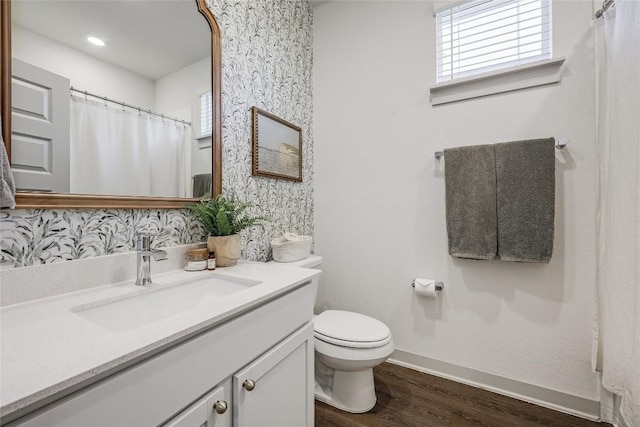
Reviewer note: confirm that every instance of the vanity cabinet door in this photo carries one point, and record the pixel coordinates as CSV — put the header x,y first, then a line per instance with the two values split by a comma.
x,y
213,410
277,388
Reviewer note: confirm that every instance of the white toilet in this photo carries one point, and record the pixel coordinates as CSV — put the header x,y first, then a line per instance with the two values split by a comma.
x,y
347,345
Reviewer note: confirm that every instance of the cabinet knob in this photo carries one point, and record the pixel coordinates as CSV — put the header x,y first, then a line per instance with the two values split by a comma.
x,y
249,385
220,406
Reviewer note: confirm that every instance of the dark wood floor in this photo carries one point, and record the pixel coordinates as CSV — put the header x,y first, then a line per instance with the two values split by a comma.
x,y
407,398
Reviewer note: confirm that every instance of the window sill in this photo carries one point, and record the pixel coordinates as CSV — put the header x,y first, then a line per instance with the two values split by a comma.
x,y
524,76
204,141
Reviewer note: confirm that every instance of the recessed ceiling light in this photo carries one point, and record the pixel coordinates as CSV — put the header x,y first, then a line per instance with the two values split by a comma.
x,y
95,41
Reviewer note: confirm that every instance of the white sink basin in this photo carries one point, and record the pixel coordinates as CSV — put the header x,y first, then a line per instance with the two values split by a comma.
x,y
150,305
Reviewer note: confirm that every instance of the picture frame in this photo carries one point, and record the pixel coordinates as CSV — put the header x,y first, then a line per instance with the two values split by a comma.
x,y
276,147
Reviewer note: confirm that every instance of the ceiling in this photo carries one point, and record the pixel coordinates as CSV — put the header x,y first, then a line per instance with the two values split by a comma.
x,y
152,38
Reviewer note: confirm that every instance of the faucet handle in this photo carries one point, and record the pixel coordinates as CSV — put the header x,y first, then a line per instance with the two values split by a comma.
x,y
143,241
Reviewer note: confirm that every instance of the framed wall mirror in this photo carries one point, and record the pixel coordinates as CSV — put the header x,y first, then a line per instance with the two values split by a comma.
x,y
132,122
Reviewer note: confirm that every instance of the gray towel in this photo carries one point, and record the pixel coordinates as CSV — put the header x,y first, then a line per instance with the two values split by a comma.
x,y
201,184
525,172
470,181
7,186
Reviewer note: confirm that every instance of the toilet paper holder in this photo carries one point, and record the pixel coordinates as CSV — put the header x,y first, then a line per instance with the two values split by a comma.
x,y
439,285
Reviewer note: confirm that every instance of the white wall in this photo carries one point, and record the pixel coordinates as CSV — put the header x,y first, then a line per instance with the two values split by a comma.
x,y
85,71
178,94
182,88
379,196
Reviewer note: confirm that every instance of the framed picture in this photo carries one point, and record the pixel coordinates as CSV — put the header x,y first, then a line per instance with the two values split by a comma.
x,y
277,147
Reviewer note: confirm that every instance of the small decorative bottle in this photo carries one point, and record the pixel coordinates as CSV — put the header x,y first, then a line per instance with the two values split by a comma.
x,y
211,262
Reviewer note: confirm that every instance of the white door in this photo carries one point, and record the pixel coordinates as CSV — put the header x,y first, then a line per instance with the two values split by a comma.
x,y
213,410
277,388
40,129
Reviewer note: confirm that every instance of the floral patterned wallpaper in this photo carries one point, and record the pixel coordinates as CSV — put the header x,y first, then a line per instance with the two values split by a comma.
x,y
266,62
44,235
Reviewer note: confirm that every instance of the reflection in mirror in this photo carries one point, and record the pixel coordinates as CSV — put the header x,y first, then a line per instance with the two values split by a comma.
x,y
129,117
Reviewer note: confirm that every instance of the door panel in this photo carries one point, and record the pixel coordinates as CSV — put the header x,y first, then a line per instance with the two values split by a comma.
x,y
31,99
40,129
31,153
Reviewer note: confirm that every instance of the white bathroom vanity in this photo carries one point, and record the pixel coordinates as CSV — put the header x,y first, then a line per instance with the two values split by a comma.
x,y
232,347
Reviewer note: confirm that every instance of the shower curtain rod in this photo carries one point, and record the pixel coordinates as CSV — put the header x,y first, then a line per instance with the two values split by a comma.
x,y
124,104
560,143
606,4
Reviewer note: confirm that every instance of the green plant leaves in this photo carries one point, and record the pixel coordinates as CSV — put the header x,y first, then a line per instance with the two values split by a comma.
x,y
222,216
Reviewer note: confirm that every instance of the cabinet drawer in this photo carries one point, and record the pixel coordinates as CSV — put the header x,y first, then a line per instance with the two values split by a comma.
x,y
154,390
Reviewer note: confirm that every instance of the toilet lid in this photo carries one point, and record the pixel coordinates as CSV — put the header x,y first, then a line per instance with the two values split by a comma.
x,y
350,329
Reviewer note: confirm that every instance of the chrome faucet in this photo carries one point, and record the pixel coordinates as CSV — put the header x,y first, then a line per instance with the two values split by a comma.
x,y
144,252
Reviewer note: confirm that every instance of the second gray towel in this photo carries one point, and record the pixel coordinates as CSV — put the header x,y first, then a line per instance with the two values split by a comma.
x,y
201,184
470,181
525,172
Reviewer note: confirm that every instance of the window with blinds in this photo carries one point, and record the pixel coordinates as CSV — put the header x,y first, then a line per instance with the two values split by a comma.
x,y
478,36
206,113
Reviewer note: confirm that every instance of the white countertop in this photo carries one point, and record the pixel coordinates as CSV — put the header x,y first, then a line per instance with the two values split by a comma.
x,y
48,351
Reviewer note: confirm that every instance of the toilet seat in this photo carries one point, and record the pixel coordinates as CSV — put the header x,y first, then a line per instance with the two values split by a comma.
x,y
353,344
352,330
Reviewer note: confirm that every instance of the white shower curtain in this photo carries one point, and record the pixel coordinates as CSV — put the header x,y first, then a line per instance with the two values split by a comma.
x,y
122,152
618,218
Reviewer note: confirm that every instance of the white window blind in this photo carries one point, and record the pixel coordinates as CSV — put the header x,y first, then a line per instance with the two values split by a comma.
x,y
478,36
206,113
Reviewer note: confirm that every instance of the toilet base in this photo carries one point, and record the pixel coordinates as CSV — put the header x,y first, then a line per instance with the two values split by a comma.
x,y
350,391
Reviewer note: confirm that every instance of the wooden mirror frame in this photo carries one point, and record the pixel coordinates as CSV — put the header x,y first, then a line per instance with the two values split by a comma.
x,y
90,201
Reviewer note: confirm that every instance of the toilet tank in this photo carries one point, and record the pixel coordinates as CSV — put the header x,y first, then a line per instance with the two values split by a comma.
x,y
312,261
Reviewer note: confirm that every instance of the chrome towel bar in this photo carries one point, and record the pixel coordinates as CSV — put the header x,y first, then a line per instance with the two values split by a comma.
x,y
560,143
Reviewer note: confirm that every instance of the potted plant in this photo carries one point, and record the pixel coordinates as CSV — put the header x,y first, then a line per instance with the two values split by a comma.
x,y
223,218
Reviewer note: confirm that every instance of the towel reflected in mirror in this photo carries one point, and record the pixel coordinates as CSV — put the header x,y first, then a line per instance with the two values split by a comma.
x,y
201,184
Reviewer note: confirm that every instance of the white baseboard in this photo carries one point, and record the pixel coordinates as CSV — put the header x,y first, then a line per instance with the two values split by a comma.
x,y
559,401
617,419
607,404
